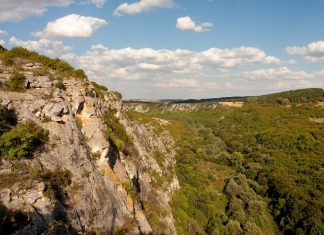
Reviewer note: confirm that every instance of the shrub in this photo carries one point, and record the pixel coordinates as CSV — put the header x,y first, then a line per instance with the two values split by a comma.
x,y
60,85
117,134
55,182
8,119
41,72
59,66
99,89
22,140
8,61
96,155
16,82
2,48
130,189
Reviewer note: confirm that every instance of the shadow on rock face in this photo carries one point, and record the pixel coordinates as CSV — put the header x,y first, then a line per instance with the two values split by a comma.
x,y
113,155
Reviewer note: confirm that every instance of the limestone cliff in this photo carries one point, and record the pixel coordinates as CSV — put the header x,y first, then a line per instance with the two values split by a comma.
x,y
112,189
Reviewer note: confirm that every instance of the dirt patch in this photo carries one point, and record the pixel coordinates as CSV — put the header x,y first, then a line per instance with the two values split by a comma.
x,y
232,104
320,104
317,120
162,122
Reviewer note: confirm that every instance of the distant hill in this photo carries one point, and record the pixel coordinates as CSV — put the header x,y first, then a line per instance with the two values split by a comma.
x,y
295,96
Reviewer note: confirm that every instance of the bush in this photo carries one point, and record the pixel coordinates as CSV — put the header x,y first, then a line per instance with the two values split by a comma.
x,y
2,48
16,82
130,189
117,134
8,119
8,61
22,140
55,182
60,85
59,66
99,89
41,72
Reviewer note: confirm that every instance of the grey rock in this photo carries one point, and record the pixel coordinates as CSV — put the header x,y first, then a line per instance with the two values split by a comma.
x,y
38,82
97,198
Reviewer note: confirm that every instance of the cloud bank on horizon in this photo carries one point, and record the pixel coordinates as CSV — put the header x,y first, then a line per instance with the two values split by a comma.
x,y
150,49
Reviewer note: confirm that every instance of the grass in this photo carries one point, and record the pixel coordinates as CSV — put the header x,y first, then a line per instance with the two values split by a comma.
x,y
60,67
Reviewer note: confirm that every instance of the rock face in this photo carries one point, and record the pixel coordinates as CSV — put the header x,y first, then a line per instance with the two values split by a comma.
x,y
99,198
185,107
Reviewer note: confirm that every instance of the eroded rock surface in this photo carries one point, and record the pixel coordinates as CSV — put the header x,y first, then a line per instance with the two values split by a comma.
x,y
98,198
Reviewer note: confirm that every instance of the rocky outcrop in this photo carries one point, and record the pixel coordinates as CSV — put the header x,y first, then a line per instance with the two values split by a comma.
x,y
182,107
100,196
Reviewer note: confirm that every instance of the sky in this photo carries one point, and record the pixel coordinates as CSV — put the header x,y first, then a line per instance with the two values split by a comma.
x,y
177,48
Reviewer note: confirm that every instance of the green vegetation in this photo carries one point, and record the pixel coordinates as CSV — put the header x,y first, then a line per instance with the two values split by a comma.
x,y
41,72
130,189
2,48
60,85
19,141
55,182
117,135
16,82
22,140
293,97
99,89
255,169
8,119
282,151
60,67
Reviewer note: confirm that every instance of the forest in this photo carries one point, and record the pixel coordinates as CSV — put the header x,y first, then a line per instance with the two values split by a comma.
x,y
253,170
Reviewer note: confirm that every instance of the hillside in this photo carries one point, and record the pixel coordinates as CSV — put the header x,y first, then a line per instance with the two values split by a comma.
x,y
71,160
255,169
76,159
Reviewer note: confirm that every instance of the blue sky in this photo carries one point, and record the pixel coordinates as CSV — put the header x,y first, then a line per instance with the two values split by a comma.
x,y
177,48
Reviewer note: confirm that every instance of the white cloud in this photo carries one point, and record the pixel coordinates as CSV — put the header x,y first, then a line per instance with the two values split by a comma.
x,y
2,42
128,62
16,10
3,33
178,83
181,73
71,26
49,47
313,52
187,24
142,6
131,70
98,3
277,74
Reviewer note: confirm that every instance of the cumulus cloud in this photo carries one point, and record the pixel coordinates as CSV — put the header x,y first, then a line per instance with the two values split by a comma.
x,y
2,42
313,52
16,10
49,47
131,70
181,73
178,83
129,63
187,24
71,26
277,74
142,6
